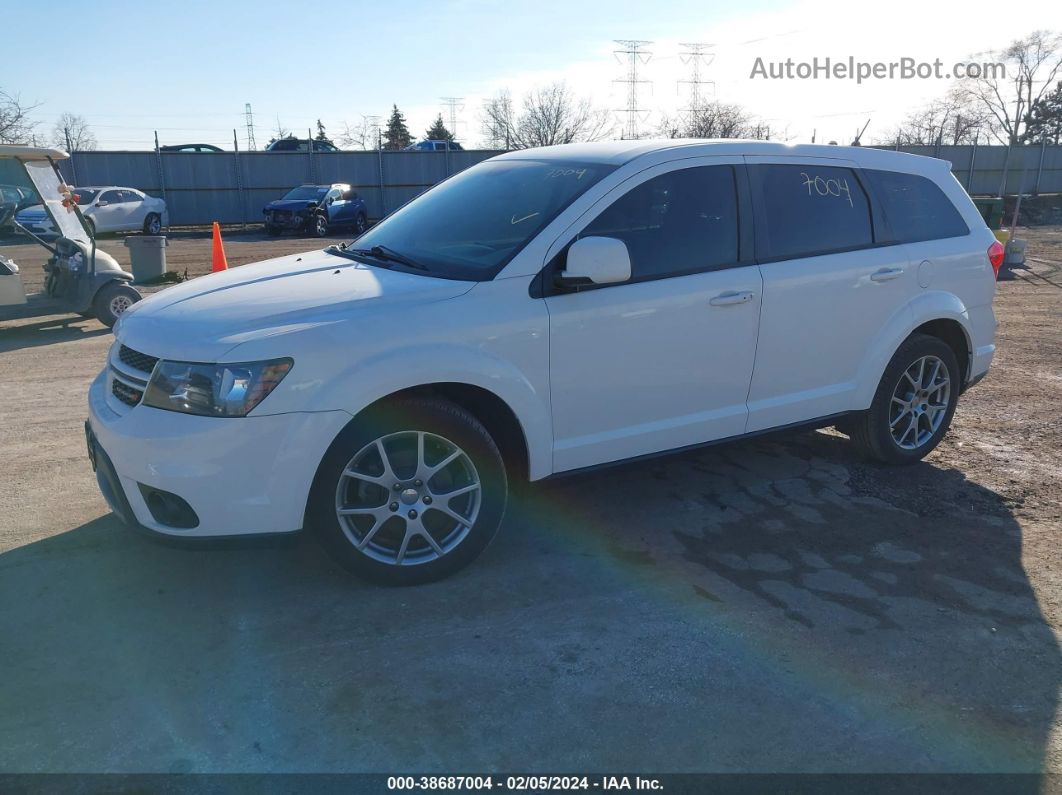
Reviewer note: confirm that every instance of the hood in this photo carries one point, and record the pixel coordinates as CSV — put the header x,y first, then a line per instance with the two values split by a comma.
x,y
203,319
290,204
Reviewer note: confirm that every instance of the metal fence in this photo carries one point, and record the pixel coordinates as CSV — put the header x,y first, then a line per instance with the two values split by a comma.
x,y
232,187
1000,170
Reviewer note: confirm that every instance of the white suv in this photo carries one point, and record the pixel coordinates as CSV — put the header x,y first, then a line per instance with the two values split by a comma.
x,y
542,312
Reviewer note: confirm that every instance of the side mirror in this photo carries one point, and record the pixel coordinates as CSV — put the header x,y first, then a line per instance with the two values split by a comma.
x,y
331,199
597,260
102,203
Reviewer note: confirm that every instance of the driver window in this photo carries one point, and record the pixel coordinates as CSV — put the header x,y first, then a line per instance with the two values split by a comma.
x,y
680,222
111,197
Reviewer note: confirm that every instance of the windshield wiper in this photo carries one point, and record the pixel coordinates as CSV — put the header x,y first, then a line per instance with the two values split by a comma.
x,y
389,254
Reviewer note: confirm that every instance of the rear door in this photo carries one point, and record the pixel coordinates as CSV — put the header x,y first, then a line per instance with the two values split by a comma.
x,y
664,360
831,284
136,209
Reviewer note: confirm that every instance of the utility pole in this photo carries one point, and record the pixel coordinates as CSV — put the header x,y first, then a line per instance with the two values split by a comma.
x,y
452,105
694,56
249,116
635,53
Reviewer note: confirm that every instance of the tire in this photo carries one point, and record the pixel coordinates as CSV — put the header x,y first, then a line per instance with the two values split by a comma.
x,y
361,223
319,226
273,231
153,224
111,300
901,425
399,510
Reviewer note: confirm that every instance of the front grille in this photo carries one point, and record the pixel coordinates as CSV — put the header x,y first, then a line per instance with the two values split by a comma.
x,y
130,396
281,215
137,360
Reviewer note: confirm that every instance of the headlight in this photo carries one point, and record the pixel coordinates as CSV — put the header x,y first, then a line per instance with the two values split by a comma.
x,y
214,390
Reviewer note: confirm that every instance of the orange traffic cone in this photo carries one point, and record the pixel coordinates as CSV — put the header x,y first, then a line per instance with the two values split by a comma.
x,y
219,263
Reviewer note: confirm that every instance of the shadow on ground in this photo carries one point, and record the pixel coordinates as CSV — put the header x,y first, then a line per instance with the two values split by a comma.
x,y
772,606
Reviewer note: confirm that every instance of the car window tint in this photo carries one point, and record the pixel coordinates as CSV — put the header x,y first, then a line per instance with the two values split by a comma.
x,y
111,196
812,209
679,222
916,207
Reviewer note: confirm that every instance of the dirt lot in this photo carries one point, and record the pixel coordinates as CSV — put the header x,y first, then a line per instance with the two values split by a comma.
x,y
770,606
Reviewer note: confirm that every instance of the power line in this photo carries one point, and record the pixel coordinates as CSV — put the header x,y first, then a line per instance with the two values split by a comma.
x,y
249,116
635,53
694,56
452,104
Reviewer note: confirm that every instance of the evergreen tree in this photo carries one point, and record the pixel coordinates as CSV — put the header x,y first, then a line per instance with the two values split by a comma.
x,y
1044,120
438,131
396,136
321,134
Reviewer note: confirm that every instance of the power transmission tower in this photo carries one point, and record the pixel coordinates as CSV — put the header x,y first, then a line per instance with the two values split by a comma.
x,y
452,105
371,126
695,57
636,54
251,145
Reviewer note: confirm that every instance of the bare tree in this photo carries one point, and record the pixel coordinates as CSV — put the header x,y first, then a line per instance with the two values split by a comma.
x,y
548,115
15,125
1032,66
363,134
72,131
714,120
956,118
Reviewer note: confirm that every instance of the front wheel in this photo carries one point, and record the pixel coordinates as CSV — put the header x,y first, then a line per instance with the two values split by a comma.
x,y
320,226
409,493
153,224
112,300
913,405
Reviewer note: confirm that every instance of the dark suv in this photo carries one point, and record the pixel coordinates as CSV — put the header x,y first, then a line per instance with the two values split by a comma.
x,y
301,145
315,209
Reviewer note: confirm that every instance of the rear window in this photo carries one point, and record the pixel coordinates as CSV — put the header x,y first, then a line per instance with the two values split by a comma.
x,y
812,210
916,207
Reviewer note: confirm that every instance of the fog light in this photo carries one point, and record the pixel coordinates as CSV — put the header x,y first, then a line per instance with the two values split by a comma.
x,y
169,509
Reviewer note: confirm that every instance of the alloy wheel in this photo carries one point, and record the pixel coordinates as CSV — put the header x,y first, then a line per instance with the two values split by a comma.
x,y
408,498
119,304
919,402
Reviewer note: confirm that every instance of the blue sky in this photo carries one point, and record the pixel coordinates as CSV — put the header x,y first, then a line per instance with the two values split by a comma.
x,y
187,69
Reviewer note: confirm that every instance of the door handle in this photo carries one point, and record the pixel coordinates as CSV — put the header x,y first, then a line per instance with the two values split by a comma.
x,y
885,274
726,299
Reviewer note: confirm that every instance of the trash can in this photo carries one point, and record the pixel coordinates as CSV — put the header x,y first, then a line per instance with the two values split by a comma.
x,y
148,256
991,209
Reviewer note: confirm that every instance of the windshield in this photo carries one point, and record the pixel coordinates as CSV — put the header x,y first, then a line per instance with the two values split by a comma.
x,y
306,193
85,195
42,175
471,225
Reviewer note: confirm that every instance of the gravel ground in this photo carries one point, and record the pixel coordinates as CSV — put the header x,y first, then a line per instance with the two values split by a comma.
x,y
776,605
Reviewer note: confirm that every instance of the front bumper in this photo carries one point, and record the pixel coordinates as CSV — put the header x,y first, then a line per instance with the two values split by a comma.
x,y
286,219
245,476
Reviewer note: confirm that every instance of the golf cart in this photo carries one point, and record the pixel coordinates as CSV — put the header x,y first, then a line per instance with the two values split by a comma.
x,y
89,281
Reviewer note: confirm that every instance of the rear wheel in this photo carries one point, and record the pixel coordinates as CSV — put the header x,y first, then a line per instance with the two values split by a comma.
x,y
913,405
409,493
360,224
153,224
112,300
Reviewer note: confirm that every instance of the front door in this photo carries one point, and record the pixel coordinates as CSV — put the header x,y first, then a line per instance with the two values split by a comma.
x,y
664,360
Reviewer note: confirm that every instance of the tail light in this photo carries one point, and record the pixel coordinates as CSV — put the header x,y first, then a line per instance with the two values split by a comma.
x,y
995,256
